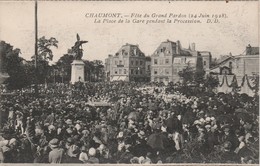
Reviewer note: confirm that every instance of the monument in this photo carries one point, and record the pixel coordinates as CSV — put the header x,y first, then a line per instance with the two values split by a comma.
x,y
77,66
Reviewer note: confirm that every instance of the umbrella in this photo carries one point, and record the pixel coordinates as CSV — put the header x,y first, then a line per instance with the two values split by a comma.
x,y
157,141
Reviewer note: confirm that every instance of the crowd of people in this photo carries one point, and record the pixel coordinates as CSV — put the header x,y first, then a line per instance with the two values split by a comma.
x,y
138,124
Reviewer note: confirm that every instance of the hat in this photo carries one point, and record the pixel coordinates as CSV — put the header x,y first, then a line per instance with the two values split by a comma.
x,y
226,129
85,132
227,145
120,134
141,134
54,143
68,121
51,127
208,119
207,126
196,122
92,152
69,140
12,141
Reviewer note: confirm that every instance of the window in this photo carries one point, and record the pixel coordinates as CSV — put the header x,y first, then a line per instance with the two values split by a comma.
x,y
115,71
116,62
166,61
126,53
136,71
155,71
175,71
167,71
177,60
120,62
155,61
167,79
161,61
120,71
230,64
132,62
141,71
141,62
148,67
204,63
124,71
132,71
136,63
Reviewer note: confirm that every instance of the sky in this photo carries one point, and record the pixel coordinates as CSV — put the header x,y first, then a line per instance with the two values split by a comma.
x,y
64,19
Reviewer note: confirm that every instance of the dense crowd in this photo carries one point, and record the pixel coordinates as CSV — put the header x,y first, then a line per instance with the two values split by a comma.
x,y
138,123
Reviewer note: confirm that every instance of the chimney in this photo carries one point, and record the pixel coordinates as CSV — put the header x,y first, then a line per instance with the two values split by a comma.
x,y
177,47
192,46
248,50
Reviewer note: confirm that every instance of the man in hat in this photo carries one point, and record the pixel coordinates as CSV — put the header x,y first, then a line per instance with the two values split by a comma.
x,y
229,136
229,155
92,156
57,154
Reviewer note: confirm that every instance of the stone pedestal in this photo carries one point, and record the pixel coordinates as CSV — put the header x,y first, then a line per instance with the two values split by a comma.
x,y
77,71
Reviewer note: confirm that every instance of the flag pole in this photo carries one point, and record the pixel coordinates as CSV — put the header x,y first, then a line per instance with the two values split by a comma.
x,y
36,47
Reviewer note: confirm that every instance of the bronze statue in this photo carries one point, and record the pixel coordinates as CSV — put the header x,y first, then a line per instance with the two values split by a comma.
x,y
77,48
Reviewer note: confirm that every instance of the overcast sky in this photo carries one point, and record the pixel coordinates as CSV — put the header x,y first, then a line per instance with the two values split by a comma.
x,y
63,20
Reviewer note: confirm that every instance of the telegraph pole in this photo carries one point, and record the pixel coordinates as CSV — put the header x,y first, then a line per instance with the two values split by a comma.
x,y
36,48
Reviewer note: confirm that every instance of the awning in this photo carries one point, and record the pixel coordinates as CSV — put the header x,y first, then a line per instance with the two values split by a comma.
x,y
119,78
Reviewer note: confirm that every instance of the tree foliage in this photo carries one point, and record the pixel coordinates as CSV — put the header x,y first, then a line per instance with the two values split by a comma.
x,y
13,65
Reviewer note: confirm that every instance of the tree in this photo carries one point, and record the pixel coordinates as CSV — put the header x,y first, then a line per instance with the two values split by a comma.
x,y
45,55
187,75
13,65
64,66
98,69
211,82
199,74
44,48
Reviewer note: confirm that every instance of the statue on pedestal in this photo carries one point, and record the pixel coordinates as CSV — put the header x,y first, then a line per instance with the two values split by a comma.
x,y
77,66
77,50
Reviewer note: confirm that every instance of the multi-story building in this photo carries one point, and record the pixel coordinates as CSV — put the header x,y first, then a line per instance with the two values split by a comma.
x,y
170,58
128,64
239,65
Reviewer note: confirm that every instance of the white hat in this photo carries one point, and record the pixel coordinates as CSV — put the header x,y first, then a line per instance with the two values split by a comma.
x,y
13,140
212,118
196,122
51,127
208,119
120,134
202,120
92,152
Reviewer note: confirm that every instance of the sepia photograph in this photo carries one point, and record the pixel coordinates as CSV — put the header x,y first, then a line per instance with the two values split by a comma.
x,y
129,82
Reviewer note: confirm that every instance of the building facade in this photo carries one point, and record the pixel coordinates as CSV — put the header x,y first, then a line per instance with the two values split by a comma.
x,y
128,64
239,65
239,72
170,58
